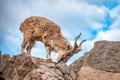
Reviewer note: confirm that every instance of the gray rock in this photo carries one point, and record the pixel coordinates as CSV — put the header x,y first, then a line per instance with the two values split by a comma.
x,y
73,74
63,68
33,75
67,77
50,65
4,62
45,77
52,78
23,68
44,68
59,72
105,55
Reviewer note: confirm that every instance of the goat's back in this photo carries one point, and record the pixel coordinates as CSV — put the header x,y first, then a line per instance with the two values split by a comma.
x,y
41,23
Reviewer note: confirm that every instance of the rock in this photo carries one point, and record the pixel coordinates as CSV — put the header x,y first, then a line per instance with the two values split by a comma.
x,y
2,78
63,68
33,75
101,63
44,68
50,65
105,56
66,77
76,65
88,73
73,74
59,72
4,61
20,67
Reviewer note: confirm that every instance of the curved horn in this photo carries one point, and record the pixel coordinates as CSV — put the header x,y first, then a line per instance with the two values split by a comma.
x,y
77,47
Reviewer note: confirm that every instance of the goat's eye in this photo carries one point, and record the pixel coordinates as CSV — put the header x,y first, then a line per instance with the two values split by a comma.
x,y
68,47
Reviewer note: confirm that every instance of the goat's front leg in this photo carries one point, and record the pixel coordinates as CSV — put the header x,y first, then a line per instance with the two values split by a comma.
x,y
29,46
59,58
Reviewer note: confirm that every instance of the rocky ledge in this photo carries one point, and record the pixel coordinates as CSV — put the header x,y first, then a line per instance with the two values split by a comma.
x,y
102,62
21,68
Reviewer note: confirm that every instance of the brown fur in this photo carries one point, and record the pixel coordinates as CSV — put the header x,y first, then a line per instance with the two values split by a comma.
x,y
42,29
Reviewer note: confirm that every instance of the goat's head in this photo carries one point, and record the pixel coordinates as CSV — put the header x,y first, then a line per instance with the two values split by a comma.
x,y
71,51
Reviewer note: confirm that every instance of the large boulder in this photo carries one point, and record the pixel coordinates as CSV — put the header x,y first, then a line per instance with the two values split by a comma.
x,y
102,62
88,73
105,55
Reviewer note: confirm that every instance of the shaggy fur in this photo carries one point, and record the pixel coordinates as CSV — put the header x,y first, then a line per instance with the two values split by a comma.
x,y
42,29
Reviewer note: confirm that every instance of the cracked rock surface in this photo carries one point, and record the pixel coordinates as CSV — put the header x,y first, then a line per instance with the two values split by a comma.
x,y
102,62
23,68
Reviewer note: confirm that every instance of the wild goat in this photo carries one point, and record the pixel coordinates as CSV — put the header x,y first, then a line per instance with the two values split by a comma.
x,y
42,29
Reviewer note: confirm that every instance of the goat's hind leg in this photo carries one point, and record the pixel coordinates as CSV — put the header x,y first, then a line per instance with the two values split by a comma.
x,y
29,46
48,54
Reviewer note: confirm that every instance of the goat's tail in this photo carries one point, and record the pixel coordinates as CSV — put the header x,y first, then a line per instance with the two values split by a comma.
x,y
21,27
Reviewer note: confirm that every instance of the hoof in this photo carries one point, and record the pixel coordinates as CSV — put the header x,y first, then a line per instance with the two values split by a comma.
x,y
49,60
33,60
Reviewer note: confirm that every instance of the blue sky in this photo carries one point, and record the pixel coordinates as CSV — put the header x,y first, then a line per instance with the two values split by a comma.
x,y
96,19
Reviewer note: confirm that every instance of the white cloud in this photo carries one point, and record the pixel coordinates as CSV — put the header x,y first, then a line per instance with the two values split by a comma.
x,y
62,9
115,12
88,15
39,50
113,32
115,15
112,35
108,3
116,24
17,9
88,45
97,26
